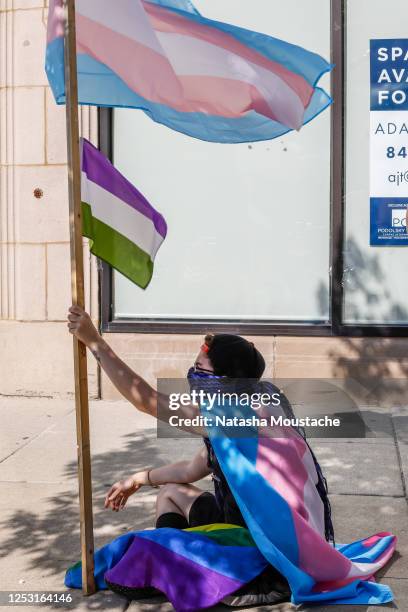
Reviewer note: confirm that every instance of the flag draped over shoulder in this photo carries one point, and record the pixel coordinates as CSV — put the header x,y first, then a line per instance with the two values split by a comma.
x,y
273,479
124,229
207,79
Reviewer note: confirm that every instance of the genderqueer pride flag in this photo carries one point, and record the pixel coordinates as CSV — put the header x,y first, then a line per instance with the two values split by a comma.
x,y
123,228
207,79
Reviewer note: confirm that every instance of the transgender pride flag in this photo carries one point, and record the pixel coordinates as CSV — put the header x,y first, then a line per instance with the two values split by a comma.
x,y
123,228
273,478
207,79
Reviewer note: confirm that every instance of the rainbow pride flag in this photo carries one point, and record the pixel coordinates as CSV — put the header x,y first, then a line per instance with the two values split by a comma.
x,y
123,228
196,568
207,79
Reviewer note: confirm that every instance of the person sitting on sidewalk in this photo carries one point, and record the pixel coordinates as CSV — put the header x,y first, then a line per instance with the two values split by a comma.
x,y
180,504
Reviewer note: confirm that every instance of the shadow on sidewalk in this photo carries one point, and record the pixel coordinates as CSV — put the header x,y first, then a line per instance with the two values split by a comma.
x,y
50,540
379,364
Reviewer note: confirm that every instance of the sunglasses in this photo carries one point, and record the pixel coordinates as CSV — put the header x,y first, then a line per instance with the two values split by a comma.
x,y
197,369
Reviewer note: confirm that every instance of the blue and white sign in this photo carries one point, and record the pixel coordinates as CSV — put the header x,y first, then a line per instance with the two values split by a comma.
x,y
388,222
389,142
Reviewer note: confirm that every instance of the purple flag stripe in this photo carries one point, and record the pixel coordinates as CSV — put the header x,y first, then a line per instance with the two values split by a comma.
x,y
99,170
188,585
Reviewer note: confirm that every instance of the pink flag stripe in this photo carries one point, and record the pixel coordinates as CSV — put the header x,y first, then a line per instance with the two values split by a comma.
x,y
281,452
326,562
368,542
187,93
133,62
55,24
278,452
163,20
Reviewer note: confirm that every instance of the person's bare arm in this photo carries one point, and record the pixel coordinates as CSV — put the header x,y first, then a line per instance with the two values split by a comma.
x,y
182,472
129,384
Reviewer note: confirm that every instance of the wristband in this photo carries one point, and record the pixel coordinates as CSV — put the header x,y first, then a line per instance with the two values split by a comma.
x,y
150,482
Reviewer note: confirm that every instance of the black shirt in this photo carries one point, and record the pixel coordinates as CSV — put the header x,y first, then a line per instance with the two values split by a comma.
x,y
223,495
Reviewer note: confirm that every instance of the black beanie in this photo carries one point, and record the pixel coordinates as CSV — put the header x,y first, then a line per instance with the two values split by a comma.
x,y
234,357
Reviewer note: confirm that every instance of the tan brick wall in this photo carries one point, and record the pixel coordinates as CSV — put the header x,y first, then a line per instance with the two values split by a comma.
x,y
35,347
375,363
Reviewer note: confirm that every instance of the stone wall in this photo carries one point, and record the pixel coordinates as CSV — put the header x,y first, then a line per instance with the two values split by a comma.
x,y
35,347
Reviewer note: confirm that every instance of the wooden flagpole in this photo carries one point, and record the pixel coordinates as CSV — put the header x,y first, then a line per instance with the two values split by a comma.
x,y
78,298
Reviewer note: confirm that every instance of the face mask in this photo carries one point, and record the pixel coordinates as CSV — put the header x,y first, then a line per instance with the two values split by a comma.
x,y
200,380
194,373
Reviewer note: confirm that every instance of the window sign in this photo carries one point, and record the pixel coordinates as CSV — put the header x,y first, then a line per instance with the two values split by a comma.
x,y
389,142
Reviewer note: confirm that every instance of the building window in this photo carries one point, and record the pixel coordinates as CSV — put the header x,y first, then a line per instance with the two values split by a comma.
x,y
273,237
375,277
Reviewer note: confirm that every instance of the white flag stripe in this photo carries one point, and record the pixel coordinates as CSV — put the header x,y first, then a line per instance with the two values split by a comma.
x,y
120,216
364,569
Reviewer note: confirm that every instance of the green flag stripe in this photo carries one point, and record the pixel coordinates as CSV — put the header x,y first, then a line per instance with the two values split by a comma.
x,y
228,537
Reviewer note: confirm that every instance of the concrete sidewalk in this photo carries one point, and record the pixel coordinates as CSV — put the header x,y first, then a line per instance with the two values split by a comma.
x,y
39,509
